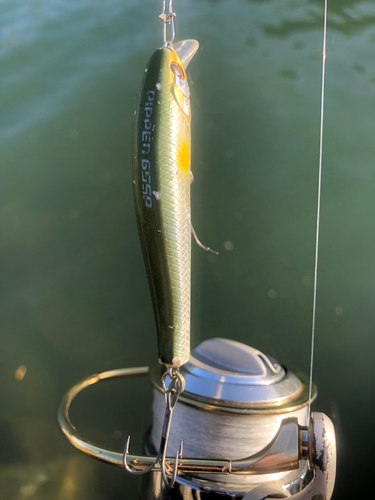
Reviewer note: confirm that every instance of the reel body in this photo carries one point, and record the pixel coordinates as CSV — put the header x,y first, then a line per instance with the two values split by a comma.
x,y
237,403
234,403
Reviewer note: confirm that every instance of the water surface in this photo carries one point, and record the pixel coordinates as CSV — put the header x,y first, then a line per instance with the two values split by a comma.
x,y
74,297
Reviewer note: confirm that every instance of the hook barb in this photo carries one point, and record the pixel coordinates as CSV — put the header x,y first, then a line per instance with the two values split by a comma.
x,y
130,469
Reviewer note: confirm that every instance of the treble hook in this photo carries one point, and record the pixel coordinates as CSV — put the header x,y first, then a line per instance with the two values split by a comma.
x,y
172,393
168,19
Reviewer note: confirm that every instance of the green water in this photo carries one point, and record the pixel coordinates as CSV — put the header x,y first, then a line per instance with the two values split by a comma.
x,y
74,297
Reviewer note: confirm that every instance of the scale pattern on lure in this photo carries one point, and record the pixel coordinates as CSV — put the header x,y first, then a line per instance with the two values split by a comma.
x,y
161,181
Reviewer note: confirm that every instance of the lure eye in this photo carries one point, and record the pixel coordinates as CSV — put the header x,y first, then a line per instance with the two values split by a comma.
x,y
177,71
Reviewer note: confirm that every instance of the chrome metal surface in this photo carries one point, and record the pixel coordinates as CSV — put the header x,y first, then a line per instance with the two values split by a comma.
x,y
68,428
273,458
189,487
281,455
224,375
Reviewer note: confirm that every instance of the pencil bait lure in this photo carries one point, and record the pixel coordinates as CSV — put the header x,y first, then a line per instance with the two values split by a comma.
x,y
161,182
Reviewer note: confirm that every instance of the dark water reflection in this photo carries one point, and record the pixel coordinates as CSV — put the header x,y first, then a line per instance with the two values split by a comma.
x,y
74,298
349,18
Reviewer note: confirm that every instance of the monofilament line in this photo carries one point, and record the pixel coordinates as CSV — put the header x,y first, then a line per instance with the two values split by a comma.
x,y
319,198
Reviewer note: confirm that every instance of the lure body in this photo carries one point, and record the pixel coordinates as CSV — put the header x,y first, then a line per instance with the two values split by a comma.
x,y
161,182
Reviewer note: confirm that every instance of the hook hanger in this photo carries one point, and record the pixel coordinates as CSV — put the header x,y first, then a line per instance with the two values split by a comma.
x,y
172,393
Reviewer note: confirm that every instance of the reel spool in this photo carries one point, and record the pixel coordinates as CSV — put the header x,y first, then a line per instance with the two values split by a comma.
x,y
237,403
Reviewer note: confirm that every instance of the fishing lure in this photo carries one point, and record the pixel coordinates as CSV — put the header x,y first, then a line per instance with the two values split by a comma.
x,y
161,182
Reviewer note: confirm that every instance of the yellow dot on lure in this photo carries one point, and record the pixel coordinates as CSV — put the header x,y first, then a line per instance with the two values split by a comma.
x,y
183,157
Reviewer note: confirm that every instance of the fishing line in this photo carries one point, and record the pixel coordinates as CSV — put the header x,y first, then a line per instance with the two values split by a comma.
x,y
222,436
319,198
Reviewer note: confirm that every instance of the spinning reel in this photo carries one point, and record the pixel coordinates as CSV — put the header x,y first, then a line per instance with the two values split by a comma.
x,y
236,400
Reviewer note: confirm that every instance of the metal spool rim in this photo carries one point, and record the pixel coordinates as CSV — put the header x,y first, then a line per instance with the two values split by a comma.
x,y
298,401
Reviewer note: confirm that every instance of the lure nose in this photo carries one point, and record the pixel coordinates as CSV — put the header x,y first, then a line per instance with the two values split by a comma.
x,y
186,50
